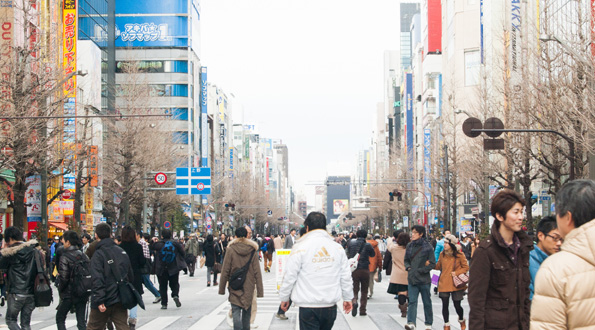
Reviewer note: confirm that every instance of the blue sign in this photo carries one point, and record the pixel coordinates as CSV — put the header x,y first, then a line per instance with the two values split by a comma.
x,y
167,224
409,120
193,181
204,125
545,198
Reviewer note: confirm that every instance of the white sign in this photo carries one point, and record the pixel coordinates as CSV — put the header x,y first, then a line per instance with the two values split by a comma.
x,y
160,178
405,221
33,198
280,262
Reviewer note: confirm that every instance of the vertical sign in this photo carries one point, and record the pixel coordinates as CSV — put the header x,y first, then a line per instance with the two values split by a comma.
x,y
33,197
204,125
409,114
481,31
515,41
69,46
6,44
231,161
281,262
427,165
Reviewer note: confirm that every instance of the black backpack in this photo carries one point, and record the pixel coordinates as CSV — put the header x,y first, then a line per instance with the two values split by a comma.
x,y
237,278
81,276
42,291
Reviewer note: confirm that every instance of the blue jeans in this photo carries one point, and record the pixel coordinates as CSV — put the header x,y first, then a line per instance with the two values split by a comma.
x,y
241,317
414,291
149,285
19,304
133,312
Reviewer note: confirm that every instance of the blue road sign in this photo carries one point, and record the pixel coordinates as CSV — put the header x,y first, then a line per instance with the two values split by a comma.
x,y
545,198
193,181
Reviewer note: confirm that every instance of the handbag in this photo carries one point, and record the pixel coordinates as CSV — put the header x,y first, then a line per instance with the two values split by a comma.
x,y
378,276
128,295
387,263
355,259
217,267
460,280
202,262
42,291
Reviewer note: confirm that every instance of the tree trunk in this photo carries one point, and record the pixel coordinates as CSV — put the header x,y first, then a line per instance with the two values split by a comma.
x,y
19,189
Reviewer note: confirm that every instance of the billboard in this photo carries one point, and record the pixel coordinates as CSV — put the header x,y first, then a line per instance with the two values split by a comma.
x,y
409,120
340,206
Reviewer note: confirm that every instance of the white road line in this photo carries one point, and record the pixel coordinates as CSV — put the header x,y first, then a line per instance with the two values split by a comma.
x,y
358,322
208,322
69,323
159,323
32,323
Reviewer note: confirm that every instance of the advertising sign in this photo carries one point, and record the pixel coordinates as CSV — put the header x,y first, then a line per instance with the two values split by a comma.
x,y
280,262
427,165
204,125
151,31
340,206
409,121
33,198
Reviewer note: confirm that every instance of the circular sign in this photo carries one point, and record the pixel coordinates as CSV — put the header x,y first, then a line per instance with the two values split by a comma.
x,y
200,186
209,226
167,224
494,123
67,194
160,178
472,123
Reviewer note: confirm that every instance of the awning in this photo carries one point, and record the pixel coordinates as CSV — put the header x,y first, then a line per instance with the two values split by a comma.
x,y
8,175
59,225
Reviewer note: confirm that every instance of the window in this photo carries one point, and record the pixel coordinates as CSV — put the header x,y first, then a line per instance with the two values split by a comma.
x,y
159,66
472,63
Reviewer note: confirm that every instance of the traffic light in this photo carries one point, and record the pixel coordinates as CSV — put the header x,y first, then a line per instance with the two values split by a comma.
x,y
233,206
399,196
395,193
226,206
391,196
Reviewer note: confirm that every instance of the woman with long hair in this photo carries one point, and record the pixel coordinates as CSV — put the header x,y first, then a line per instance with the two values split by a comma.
x,y
398,277
474,245
211,256
451,263
137,261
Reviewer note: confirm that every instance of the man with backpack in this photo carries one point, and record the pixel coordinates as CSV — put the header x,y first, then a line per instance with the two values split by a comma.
x,y
169,260
268,248
74,282
360,276
105,298
241,270
18,262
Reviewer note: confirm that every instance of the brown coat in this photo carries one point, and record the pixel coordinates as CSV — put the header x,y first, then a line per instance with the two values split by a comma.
x,y
499,289
238,252
398,274
376,260
446,264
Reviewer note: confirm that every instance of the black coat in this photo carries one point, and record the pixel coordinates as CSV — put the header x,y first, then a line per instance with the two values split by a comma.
x,y
161,268
65,269
364,257
105,289
211,254
137,261
18,260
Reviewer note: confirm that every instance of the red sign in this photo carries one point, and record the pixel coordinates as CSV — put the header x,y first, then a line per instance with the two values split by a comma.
x,y
167,224
67,194
160,178
200,186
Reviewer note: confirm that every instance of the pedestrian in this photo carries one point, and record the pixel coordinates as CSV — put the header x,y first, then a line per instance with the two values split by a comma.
x,y
398,277
451,263
278,242
564,285
192,251
169,261
548,243
143,240
466,246
18,263
105,300
317,283
240,252
221,247
381,244
66,282
499,278
360,276
440,245
86,238
375,266
211,256
419,261
289,240
137,261
268,248
475,244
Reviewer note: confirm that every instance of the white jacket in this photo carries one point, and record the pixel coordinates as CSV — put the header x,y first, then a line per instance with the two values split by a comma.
x,y
317,274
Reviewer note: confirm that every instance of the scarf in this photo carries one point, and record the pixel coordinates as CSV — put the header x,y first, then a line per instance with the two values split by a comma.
x,y
417,244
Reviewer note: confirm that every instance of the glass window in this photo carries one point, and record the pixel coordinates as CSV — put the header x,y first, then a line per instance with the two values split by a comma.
x,y
158,66
472,63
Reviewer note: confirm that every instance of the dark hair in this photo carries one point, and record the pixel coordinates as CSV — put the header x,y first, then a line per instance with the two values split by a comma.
x,y
241,232
128,234
403,239
302,231
13,232
361,233
119,238
419,229
315,220
72,237
87,236
546,225
147,237
396,233
578,198
166,234
453,248
503,202
103,230
209,238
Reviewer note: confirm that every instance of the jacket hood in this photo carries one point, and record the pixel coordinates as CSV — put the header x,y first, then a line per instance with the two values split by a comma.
x,y
243,246
372,242
581,242
10,251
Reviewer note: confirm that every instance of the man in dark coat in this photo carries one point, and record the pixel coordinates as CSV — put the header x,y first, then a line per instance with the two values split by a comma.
x,y
361,276
18,262
105,301
169,260
499,277
65,282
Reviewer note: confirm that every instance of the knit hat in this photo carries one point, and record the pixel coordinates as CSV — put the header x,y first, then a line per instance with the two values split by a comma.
x,y
451,238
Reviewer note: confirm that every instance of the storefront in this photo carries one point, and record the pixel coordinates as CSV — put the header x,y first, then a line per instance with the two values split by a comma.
x,y
56,228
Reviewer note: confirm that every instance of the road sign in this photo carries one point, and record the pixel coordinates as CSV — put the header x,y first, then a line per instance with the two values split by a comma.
x,y
269,213
189,181
67,194
545,198
160,178
167,225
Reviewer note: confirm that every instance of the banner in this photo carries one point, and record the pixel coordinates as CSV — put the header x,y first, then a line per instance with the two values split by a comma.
x,y
280,262
33,198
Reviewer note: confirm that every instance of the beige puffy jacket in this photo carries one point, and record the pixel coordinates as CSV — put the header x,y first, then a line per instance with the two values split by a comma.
x,y
565,285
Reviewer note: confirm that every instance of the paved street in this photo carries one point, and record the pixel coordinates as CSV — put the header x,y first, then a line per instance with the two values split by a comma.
x,y
202,308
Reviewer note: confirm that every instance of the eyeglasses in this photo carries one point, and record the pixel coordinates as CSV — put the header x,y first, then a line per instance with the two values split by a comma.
x,y
556,238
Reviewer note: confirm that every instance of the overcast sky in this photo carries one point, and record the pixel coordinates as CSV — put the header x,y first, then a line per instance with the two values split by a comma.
x,y
308,72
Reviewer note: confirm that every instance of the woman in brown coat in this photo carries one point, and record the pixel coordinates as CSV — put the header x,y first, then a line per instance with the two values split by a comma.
x,y
451,263
398,276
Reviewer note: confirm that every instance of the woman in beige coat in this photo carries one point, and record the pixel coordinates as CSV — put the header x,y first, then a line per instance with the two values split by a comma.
x,y
398,277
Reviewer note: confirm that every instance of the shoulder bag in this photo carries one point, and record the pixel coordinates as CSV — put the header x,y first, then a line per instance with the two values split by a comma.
x,y
237,278
128,295
459,280
42,291
355,260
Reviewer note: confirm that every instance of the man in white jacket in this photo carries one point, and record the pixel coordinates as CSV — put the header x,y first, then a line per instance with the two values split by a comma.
x,y
312,270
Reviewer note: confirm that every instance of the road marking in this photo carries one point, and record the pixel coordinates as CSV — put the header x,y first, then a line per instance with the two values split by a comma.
x,y
159,323
69,323
32,323
358,322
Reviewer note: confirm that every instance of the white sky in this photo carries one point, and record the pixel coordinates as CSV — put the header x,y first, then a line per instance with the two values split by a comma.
x,y
308,72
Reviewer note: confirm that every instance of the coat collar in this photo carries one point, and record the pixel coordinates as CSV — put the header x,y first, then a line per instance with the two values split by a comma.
x,y
243,240
12,250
